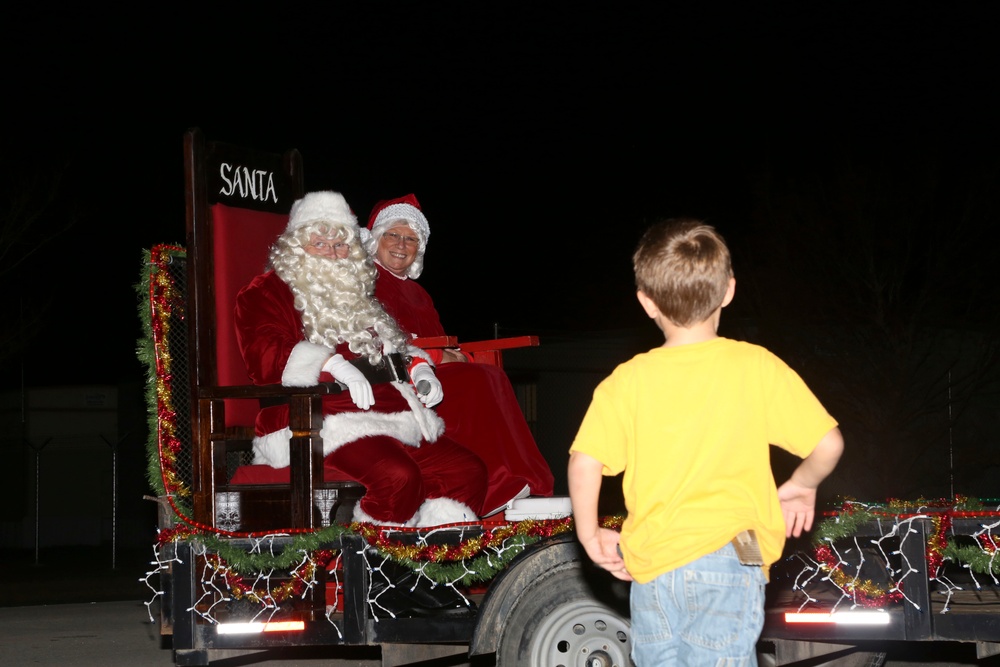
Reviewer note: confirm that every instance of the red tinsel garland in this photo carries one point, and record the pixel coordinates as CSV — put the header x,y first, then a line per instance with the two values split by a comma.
x,y
942,513
864,593
242,588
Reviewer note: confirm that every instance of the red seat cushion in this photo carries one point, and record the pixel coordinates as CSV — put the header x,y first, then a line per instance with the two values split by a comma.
x,y
265,474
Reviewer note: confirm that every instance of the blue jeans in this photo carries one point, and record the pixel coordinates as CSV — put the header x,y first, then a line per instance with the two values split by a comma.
x,y
709,612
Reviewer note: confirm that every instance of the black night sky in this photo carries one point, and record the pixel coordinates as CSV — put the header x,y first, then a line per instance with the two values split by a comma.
x,y
540,138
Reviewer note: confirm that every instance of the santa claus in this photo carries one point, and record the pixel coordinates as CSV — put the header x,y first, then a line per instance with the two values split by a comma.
x,y
302,322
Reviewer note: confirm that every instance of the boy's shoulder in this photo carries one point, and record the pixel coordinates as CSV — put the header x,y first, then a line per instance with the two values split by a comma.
x,y
738,351
720,345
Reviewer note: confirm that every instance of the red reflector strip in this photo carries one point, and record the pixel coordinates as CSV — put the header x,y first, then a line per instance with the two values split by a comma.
x,y
251,628
840,617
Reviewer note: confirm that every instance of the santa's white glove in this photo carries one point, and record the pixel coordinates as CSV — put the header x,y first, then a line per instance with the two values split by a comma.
x,y
359,386
428,387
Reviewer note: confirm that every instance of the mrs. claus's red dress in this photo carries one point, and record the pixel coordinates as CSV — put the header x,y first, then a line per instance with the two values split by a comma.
x,y
479,409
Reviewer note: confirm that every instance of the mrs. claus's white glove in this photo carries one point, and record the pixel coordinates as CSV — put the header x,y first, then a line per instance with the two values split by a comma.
x,y
429,389
359,386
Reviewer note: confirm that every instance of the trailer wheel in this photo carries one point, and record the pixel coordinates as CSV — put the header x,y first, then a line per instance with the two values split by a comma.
x,y
564,621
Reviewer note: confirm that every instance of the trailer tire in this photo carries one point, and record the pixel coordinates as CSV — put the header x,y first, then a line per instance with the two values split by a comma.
x,y
563,621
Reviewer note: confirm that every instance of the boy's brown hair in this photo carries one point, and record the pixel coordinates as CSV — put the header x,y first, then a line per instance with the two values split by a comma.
x,y
684,266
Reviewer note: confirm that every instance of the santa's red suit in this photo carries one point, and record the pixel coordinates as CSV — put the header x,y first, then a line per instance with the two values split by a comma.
x,y
397,449
479,408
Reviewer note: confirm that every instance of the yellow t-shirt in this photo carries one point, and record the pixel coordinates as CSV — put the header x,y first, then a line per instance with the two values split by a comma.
x,y
691,426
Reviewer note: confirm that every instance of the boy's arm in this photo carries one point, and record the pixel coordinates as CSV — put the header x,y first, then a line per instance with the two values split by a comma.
x,y
601,544
798,494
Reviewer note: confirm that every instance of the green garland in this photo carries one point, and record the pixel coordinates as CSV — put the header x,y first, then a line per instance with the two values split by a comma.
x,y
480,568
843,525
977,560
853,515
146,352
242,562
156,290
475,570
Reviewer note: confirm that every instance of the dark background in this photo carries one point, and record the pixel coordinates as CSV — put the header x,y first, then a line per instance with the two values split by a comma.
x,y
848,151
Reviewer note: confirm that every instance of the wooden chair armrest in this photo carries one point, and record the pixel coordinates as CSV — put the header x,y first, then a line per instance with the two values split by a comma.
x,y
267,391
481,351
392,370
433,342
500,344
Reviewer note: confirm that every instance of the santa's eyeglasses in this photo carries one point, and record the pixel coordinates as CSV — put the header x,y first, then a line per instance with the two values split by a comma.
x,y
393,237
329,246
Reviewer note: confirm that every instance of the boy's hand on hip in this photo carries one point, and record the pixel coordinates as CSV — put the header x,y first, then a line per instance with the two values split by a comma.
x,y
798,505
603,550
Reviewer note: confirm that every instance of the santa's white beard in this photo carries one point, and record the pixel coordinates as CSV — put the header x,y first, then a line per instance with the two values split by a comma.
x,y
335,297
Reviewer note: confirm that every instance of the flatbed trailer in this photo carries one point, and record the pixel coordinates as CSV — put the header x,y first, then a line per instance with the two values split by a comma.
x,y
241,569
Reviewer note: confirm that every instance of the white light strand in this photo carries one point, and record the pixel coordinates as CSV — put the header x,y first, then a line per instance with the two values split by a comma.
x,y
904,530
334,571
950,587
993,539
161,566
909,569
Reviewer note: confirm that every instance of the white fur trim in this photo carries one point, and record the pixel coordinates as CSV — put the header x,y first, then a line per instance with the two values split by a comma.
x,y
439,511
421,423
363,517
418,353
322,206
272,449
344,427
305,364
430,424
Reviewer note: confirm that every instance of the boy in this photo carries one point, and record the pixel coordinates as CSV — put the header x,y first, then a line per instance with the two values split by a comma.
x,y
691,423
